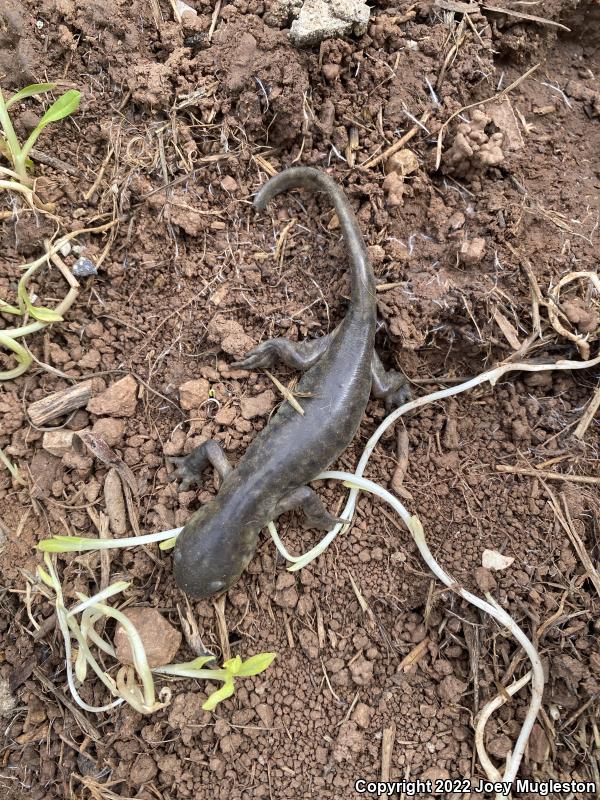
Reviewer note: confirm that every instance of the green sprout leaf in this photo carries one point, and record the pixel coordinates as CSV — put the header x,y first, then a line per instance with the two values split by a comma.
x,y
44,314
74,544
66,544
14,471
6,308
45,577
168,544
236,668
41,313
223,693
199,662
21,355
255,664
30,91
67,104
232,668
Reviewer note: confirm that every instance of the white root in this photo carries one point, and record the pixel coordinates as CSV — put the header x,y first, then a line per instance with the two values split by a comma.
x,y
68,626
486,712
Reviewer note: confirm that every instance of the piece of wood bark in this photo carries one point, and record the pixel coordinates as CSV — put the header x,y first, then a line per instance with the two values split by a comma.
x,y
59,403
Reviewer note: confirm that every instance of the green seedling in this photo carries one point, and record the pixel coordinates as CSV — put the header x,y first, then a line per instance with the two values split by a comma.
x,y
11,148
232,668
41,315
77,544
133,685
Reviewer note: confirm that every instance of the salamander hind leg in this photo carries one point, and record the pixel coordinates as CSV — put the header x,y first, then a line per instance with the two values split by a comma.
x,y
388,385
189,468
316,515
298,355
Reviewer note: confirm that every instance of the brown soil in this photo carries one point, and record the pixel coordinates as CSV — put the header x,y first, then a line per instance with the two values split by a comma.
x,y
189,279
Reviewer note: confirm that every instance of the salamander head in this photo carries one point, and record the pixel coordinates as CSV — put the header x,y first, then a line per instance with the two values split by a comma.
x,y
211,552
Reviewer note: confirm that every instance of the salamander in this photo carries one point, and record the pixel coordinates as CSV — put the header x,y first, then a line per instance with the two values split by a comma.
x,y
340,371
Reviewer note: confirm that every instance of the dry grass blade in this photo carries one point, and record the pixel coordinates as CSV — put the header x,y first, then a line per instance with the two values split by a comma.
x,y
266,165
402,454
588,415
536,299
99,791
387,748
214,20
80,718
101,523
359,596
564,517
176,13
460,37
191,632
550,476
282,241
414,655
508,329
219,606
529,17
288,395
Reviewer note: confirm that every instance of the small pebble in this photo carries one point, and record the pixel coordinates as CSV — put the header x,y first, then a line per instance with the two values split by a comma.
x,y
83,268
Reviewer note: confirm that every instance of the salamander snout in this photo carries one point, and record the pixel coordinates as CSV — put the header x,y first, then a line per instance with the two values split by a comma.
x,y
209,557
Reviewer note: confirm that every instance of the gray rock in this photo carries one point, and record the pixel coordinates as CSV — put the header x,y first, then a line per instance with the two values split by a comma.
x,y
83,268
325,19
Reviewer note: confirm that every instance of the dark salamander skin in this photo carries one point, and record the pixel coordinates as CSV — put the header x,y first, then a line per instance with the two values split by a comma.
x,y
340,370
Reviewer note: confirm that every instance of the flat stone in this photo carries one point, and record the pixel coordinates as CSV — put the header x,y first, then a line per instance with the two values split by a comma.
x,y
142,770
451,689
57,443
160,639
119,400
472,251
193,393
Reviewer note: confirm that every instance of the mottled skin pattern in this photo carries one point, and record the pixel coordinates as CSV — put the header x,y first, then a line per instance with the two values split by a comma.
x,y
219,540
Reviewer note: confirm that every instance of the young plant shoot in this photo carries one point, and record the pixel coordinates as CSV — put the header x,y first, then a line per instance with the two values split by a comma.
x,y
133,685
10,147
232,668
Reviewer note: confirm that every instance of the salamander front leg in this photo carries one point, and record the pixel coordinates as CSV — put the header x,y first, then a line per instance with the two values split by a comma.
x,y
388,385
189,468
298,355
316,515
